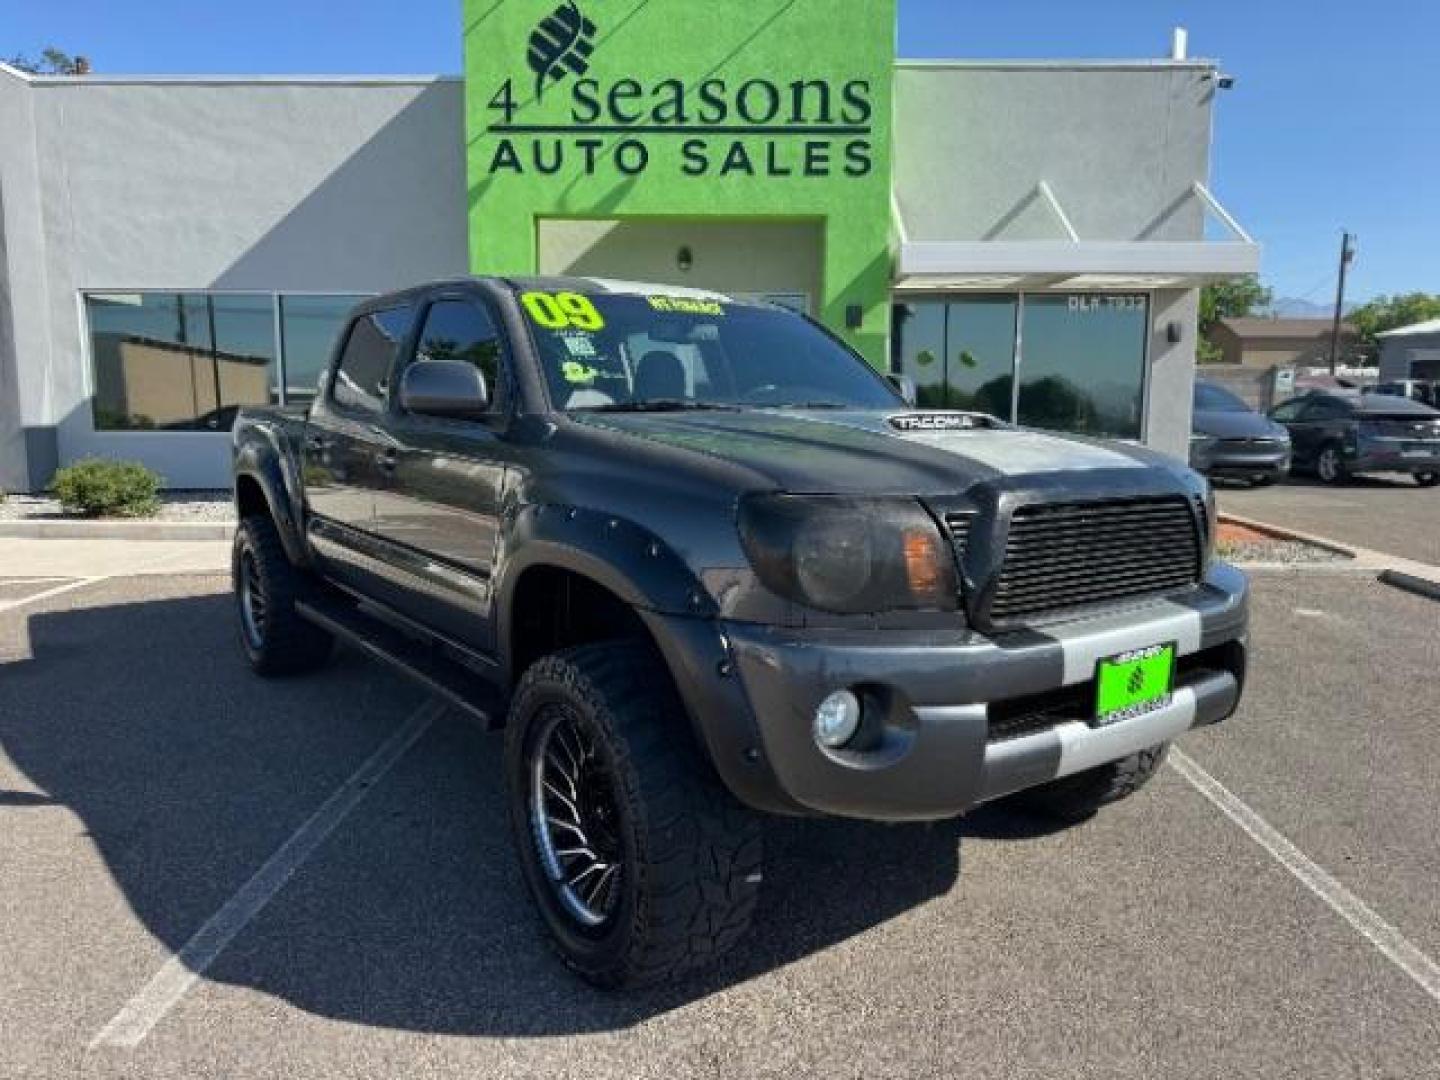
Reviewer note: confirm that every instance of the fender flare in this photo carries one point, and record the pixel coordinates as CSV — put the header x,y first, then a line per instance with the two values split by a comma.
x,y
615,553
261,456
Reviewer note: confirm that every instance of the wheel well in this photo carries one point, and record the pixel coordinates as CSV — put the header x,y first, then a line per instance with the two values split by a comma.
x,y
556,609
250,497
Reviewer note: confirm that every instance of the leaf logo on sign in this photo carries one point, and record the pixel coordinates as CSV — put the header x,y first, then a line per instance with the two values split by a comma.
x,y
562,42
1136,682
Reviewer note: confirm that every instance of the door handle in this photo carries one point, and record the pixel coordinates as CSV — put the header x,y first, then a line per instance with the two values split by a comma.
x,y
386,459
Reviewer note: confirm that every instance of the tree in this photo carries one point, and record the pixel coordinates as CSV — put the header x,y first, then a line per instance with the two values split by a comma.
x,y
52,61
1228,300
1390,313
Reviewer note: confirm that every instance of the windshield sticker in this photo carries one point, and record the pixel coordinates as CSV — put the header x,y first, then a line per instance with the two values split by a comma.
x,y
685,305
556,311
579,345
578,374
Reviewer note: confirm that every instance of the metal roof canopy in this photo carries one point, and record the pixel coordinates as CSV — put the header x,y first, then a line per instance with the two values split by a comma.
x,y
1071,263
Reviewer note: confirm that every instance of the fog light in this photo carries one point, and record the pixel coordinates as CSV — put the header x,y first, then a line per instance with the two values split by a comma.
x,y
837,719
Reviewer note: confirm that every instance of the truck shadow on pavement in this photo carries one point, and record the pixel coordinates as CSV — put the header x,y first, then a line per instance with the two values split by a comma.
x,y
188,772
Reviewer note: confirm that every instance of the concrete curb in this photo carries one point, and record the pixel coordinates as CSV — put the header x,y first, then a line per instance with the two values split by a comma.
x,y
1411,584
67,529
1393,570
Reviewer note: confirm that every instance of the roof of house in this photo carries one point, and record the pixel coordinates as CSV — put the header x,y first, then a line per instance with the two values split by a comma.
x,y
1283,328
1431,326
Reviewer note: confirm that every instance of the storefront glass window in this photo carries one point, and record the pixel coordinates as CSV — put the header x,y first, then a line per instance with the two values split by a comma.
x,y
1082,366
190,361
920,334
1082,357
980,353
179,361
308,326
244,357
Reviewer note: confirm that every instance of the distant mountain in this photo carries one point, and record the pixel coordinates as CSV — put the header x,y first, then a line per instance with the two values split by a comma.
x,y
1290,307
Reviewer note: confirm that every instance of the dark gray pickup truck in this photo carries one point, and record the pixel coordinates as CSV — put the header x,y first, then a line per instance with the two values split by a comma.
x,y
704,564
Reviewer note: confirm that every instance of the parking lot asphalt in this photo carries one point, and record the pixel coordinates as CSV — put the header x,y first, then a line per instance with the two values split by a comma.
x,y
1384,513
146,775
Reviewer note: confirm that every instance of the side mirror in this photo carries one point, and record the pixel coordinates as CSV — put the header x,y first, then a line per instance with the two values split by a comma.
x,y
906,386
444,388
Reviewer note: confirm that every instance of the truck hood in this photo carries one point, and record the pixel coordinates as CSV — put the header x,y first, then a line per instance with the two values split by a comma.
x,y
823,451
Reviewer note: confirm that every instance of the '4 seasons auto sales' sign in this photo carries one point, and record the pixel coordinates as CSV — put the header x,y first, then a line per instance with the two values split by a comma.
x,y
574,111
593,123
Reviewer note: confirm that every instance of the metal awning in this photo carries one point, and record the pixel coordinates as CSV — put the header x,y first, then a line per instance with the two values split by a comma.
x,y
1070,262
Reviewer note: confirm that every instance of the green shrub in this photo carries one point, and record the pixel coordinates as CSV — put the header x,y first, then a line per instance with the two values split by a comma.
x,y
97,488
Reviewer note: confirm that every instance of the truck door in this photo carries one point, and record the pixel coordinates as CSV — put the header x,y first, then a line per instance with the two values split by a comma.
x,y
437,508
346,446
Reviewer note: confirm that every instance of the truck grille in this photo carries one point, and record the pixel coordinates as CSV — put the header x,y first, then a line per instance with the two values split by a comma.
x,y
959,526
1069,555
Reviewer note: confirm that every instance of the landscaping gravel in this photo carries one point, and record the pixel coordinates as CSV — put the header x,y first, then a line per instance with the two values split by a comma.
x,y
1277,551
174,506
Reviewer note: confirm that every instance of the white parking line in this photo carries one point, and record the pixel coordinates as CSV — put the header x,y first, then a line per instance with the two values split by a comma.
x,y
11,605
147,1008
1392,944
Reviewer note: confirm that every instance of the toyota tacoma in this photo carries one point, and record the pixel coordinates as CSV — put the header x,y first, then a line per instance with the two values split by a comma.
x,y
704,564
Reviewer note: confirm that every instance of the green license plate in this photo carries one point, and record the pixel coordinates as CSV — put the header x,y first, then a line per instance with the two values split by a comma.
x,y
1134,682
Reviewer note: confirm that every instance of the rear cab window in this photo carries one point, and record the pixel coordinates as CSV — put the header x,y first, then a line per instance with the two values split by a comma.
x,y
1325,409
362,377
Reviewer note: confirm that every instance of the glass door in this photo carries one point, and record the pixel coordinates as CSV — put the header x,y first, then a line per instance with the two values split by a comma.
x,y
960,352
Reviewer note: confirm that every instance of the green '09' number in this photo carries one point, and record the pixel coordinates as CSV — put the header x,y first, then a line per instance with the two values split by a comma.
x,y
556,311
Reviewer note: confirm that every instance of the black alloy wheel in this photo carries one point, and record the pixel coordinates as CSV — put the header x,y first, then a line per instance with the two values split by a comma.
x,y
575,818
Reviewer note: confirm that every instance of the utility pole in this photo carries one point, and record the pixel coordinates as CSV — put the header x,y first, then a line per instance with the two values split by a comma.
x,y
1347,256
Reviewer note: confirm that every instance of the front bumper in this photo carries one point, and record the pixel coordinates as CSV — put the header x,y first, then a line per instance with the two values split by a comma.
x,y
958,718
1235,459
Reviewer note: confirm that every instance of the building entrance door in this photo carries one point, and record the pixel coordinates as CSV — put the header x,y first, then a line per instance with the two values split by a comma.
x,y
775,261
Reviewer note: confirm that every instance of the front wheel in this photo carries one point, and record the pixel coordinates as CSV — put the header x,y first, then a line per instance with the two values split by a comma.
x,y
1075,798
642,864
1427,479
1328,466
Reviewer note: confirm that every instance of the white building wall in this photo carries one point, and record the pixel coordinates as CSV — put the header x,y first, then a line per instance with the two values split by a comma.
x,y
272,185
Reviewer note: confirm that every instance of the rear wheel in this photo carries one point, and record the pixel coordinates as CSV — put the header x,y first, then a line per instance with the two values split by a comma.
x,y
275,639
642,865
1427,479
1075,798
1328,465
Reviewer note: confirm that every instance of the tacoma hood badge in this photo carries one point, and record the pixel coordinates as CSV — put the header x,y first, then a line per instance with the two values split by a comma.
x,y
942,421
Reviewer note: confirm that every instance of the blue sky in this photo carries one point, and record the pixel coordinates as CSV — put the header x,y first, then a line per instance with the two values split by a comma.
x,y
1334,121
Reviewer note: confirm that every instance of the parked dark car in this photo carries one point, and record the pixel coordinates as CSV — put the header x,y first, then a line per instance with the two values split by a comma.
x,y
1228,438
1421,390
703,563
1335,435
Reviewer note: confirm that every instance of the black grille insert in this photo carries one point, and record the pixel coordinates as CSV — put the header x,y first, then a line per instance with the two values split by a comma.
x,y
1062,556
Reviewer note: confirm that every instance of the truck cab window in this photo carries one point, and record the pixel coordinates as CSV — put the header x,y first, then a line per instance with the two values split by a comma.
x,y
462,330
362,379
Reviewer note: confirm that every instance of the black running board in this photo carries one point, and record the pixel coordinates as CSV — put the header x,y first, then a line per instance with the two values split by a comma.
x,y
474,698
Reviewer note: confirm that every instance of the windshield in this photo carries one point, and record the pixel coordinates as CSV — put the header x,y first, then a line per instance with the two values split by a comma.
x,y
1210,398
612,351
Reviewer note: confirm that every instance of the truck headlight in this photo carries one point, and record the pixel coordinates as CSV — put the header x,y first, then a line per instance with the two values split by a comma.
x,y
849,555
